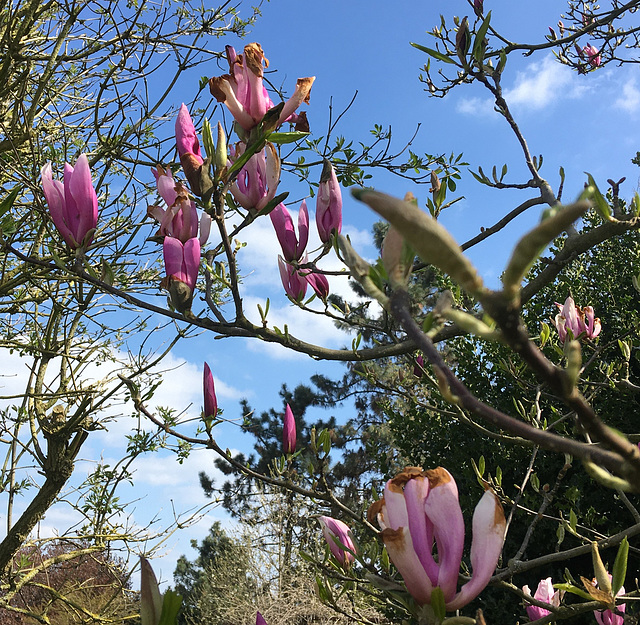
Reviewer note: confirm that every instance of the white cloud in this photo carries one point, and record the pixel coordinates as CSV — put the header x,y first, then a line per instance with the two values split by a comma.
x,y
475,106
630,99
539,86
543,83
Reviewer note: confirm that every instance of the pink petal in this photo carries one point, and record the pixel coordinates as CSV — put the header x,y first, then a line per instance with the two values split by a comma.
x,y
416,492
54,195
173,252
289,431
191,262
210,400
443,509
300,95
84,196
486,546
400,549
303,228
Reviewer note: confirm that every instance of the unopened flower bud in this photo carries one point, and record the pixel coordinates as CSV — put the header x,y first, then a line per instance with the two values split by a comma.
x,y
221,150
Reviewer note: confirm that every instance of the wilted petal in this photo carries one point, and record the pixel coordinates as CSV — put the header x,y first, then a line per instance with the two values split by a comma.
x,y
416,491
222,90
300,95
166,185
403,555
270,175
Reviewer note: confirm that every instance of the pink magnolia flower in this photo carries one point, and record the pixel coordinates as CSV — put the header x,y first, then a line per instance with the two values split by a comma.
x,y
335,532
182,261
258,180
260,619
609,617
328,203
592,55
292,248
180,219
295,285
576,320
545,593
420,508
288,431
189,149
186,136
210,399
244,93
591,322
319,283
73,205
418,368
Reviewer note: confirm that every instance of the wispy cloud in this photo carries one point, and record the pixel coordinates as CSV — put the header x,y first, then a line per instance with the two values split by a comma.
x,y
539,86
629,101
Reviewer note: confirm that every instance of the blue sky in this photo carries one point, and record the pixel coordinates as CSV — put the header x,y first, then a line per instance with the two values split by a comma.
x,y
584,123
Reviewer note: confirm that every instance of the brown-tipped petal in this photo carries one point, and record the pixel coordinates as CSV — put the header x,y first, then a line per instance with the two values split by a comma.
x,y
253,58
221,89
402,554
300,95
272,172
191,167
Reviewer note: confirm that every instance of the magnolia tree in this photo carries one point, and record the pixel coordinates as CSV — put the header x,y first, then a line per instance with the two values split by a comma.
x,y
78,259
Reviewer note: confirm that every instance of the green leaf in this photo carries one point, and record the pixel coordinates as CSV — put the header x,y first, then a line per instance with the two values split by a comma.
x,y
478,44
574,590
427,322
573,520
554,221
535,482
207,139
593,193
481,465
8,201
434,53
437,604
545,333
170,608
619,571
274,202
502,62
281,138
324,441
384,560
